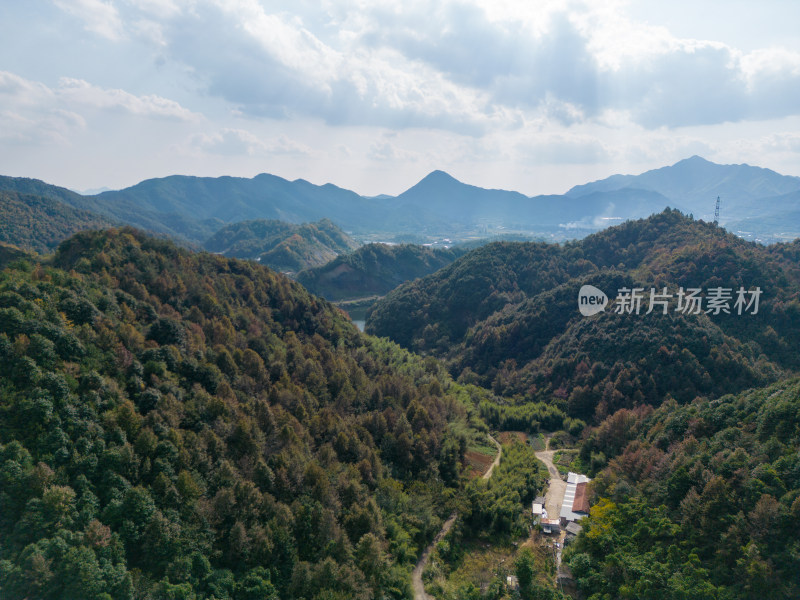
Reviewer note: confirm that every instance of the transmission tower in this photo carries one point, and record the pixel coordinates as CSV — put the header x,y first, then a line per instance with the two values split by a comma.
x,y
716,213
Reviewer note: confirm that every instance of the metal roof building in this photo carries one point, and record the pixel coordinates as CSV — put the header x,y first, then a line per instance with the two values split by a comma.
x,y
570,510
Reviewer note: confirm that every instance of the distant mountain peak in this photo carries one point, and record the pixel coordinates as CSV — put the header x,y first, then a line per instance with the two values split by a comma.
x,y
439,173
693,162
695,159
438,176
434,182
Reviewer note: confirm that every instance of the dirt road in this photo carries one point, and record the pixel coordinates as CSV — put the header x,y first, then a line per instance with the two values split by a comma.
x,y
555,492
416,574
496,460
555,487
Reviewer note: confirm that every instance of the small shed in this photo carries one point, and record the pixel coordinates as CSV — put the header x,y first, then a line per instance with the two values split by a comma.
x,y
551,525
573,529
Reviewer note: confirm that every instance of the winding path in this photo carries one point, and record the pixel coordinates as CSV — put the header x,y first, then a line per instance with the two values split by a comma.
x,y
416,574
555,492
496,460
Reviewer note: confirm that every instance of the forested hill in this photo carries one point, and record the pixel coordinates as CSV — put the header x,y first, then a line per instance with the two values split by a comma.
x,y
40,223
10,253
184,226
699,501
506,316
177,425
281,245
375,269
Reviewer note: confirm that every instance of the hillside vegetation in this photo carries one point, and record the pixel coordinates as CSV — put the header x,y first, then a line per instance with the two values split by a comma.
x,y
698,501
506,316
281,245
40,223
375,270
10,253
185,226
177,425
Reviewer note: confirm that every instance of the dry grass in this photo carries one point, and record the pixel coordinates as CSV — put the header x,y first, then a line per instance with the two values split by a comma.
x,y
483,560
508,437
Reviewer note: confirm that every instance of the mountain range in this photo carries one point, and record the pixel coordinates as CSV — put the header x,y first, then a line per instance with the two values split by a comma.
x,y
756,202
505,316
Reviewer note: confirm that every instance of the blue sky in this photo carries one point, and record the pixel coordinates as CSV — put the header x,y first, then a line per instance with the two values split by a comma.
x,y
373,95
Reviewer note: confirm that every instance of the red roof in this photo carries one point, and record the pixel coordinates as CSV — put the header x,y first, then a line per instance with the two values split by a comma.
x,y
581,502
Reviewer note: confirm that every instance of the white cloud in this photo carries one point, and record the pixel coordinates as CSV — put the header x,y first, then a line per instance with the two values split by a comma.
x,y
459,65
515,94
789,142
238,142
386,151
272,65
22,92
284,146
79,92
563,148
36,113
98,17
229,142
161,9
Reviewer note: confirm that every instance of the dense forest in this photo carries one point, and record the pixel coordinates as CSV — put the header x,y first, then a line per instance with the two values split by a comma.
x,y
505,317
186,425
10,253
696,501
184,226
375,269
40,223
281,245
177,425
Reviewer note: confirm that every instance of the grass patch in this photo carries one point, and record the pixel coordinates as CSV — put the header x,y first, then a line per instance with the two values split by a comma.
x,y
477,568
479,455
565,460
489,449
538,442
507,438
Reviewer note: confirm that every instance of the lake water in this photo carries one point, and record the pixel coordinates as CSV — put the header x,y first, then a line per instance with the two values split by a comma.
x,y
358,314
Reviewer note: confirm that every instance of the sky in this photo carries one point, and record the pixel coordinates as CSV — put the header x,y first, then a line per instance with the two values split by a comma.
x,y
372,95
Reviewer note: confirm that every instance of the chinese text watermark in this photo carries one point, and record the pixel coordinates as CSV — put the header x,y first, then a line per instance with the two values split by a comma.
x,y
689,301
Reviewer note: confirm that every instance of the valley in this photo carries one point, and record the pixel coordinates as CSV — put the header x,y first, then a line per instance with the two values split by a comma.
x,y
453,300
197,417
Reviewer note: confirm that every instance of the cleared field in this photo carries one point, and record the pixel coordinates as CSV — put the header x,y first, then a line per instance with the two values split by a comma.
x,y
478,462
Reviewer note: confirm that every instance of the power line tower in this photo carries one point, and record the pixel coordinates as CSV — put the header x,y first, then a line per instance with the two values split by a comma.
x,y
716,213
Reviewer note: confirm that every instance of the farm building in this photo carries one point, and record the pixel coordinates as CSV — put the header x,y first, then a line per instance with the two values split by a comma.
x,y
575,505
